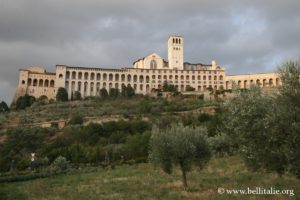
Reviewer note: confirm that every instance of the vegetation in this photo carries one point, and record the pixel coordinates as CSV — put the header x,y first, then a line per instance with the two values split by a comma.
x,y
182,146
103,93
77,96
266,127
24,102
144,181
3,107
62,94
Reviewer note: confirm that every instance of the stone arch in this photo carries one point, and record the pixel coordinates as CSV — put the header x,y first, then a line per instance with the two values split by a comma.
x,y
41,83
129,78
271,82
60,76
123,77
29,83
67,85
204,78
110,77
182,77
97,88
46,84
199,77
80,75
265,83
92,76
135,78
104,77
35,82
221,78
245,84
67,75
239,83
277,81
153,64
117,85
92,85
52,83
110,85
74,75
209,77
258,82
227,85
147,88
141,87
98,76
147,79
86,76
215,78
79,86
117,76
85,87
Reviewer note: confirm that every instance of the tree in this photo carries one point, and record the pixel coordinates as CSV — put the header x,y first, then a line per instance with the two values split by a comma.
x,y
266,127
169,87
114,93
77,96
179,145
103,93
24,102
3,107
189,88
127,91
62,94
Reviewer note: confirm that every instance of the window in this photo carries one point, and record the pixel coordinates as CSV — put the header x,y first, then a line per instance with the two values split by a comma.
x,y
153,64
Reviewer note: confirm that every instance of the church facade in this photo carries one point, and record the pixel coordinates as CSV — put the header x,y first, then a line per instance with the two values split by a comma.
x,y
146,74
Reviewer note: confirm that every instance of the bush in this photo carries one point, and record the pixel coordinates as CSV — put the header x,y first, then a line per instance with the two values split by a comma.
x,y
77,119
60,164
24,102
62,94
3,107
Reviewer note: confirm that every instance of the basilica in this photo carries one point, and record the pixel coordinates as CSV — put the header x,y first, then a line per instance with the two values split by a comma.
x,y
146,74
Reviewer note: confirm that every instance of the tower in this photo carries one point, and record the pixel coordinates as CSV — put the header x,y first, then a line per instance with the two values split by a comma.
x,y
175,52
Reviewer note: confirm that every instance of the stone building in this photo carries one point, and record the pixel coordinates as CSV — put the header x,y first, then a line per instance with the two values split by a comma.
x,y
146,74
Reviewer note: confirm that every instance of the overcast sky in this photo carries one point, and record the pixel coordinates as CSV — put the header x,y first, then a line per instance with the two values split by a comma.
x,y
244,36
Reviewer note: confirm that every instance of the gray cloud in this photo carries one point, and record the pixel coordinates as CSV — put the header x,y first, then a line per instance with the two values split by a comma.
x,y
244,36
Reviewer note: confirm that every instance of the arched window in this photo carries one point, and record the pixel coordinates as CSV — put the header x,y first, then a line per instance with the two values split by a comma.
x,y
46,84
73,75
29,82
153,64
52,83
60,76
98,77
41,83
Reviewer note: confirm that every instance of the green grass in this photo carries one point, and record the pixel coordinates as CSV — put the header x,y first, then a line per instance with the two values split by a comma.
x,y
146,181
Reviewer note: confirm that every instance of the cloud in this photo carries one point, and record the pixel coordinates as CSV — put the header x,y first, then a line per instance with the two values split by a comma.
x,y
244,36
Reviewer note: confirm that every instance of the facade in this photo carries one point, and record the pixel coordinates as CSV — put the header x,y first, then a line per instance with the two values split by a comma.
x,y
145,75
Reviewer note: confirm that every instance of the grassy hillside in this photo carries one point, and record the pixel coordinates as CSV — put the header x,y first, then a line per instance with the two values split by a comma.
x,y
146,181
94,107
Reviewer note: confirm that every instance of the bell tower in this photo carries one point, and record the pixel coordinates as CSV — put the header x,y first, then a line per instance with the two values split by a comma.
x,y
175,52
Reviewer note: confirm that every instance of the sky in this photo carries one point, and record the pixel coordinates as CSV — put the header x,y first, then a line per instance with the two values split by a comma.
x,y
243,36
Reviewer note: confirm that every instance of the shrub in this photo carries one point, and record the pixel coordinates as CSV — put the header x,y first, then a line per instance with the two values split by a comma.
x,y
60,164
77,119
62,94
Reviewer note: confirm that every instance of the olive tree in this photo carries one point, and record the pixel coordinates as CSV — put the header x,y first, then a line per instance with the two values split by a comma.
x,y
266,127
179,145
